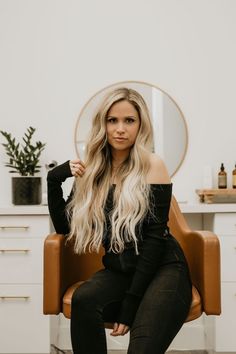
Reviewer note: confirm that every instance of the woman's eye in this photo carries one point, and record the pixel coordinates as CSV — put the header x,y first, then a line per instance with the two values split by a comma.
x,y
129,120
111,120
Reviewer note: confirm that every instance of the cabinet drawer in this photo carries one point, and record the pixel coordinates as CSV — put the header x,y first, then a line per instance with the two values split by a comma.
x,y
225,224
23,327
24,226
21,260
226,323
228,258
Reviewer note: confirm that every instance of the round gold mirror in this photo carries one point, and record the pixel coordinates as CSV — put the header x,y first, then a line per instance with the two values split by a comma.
x,y
169,125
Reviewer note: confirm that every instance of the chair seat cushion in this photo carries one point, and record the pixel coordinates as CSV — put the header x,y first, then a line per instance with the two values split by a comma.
x,y
66,305
195,310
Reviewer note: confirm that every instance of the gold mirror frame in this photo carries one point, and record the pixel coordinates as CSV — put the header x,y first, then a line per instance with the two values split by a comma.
x,y
132,84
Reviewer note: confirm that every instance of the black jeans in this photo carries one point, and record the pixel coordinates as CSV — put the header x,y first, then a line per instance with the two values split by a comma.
x,y
161,314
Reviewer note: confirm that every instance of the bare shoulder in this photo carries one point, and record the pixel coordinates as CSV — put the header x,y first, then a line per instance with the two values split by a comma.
x,y
158,172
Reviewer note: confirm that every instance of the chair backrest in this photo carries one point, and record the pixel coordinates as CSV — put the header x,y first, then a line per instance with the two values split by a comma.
x,y
81,267
179,227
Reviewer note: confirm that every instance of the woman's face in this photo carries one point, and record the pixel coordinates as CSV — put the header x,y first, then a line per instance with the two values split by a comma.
x,y
122,126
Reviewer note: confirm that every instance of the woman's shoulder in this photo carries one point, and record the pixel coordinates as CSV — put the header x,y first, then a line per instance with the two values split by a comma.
x,y
157,173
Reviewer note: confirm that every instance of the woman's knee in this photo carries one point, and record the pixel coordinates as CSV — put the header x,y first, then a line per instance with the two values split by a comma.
x,y
82,298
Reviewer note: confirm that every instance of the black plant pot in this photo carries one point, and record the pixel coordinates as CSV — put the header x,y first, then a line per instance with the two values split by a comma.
x,y
26,190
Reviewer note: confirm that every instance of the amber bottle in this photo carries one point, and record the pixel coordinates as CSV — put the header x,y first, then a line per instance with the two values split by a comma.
x,y
222,177
234,177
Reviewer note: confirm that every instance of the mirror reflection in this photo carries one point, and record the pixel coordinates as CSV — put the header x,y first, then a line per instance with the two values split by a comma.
x,y
169,125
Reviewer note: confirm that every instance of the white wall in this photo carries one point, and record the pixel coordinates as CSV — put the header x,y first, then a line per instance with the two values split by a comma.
x,y
55,54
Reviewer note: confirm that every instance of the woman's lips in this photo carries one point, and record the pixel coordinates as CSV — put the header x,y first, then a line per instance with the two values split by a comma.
x,y
120,139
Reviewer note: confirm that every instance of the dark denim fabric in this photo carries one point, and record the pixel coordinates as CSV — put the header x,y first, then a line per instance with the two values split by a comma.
x,y
161,313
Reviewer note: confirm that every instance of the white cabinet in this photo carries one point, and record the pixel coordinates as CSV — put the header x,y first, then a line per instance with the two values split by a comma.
x,y
23,327
224,225
225,325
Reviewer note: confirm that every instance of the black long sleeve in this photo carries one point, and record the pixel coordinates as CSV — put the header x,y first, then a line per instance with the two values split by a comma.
x,y
56,202
153,247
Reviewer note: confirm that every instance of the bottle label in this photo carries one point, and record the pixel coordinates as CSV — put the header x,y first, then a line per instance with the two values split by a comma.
x,y
234,181
222,183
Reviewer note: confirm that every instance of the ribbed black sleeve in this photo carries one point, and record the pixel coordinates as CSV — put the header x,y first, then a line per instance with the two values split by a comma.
x,y
153,247
56,202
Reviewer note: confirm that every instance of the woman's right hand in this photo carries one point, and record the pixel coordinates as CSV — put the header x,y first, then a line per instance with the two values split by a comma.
x,y
77,167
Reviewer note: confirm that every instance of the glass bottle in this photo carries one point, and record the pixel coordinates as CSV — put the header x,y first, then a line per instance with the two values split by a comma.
x,y
222,177
234,177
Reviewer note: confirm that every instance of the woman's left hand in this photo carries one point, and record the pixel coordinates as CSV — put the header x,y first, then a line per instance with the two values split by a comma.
x,y
119,329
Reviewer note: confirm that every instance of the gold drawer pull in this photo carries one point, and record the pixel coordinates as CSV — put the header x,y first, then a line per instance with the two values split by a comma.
x,y
6,227
14,250
14,297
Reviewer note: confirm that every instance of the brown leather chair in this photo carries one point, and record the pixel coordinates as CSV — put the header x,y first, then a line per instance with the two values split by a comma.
x,y
64,271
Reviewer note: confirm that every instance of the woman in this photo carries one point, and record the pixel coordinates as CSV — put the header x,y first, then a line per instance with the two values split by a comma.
x,y
120,200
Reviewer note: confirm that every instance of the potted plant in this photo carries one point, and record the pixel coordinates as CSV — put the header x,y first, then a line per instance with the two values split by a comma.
x,y
24,160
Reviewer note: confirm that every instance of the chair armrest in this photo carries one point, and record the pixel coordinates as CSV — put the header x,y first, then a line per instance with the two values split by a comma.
x,y
202,249
52,290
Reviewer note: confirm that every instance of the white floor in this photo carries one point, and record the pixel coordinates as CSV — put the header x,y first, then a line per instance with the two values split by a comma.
x,y
170,352
59,351
125,352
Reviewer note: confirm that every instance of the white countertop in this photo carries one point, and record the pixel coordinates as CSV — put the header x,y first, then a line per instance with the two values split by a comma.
x,y
186,208
24,210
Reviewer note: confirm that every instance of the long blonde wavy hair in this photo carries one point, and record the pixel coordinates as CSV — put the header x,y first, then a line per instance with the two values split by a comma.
x,y
131,194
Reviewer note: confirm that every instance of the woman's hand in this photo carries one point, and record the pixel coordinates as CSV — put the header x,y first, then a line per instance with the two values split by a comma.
x,y
119,329
77,167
